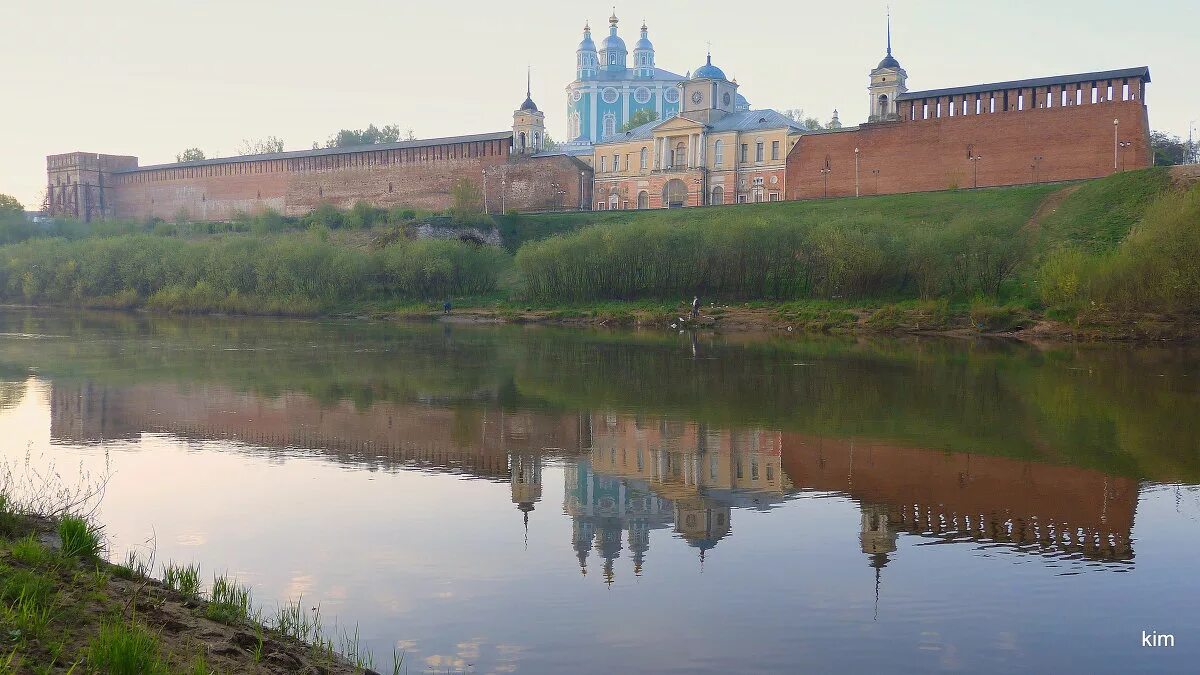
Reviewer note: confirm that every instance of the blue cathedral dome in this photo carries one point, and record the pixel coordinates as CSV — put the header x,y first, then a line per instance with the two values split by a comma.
x,y
644,42
708,71
586,45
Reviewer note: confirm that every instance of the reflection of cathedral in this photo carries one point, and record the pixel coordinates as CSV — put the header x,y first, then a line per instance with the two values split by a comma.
x,y
626,476
602,508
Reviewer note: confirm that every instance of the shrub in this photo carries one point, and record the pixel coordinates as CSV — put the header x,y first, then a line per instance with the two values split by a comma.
x,y
80,539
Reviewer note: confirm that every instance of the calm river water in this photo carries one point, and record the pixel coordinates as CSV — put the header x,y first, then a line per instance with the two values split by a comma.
x,y
531,500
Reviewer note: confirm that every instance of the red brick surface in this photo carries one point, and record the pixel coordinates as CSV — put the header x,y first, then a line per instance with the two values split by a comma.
x,y
920,155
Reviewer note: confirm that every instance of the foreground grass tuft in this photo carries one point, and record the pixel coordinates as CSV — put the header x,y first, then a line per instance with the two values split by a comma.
x,y
80,539
185,578
126,649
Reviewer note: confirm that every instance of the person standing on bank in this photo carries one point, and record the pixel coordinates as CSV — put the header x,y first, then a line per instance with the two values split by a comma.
x,y
695,306
446,307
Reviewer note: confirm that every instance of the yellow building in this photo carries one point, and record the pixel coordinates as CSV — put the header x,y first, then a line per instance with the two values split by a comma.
x,y
714,151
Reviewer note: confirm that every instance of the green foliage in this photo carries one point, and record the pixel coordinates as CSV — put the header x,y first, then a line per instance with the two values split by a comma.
x,y
229,601
126,649
9,206
932,245
1155,269
638,118
80,539
182,578
297,274
30,551
466,201
988,317
1169,150
190,155
370,136
1098,214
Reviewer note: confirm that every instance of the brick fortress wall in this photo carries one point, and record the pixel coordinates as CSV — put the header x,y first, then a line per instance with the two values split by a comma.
x,y
419,174
918,155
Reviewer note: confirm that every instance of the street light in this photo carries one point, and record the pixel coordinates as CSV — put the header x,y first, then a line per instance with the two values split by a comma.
x,y
1037,164
1116,125
975,167
876,172
582,194
1124,145
856,172
825,173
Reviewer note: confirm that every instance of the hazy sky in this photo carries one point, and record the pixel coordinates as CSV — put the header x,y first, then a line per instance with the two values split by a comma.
x,y
152,77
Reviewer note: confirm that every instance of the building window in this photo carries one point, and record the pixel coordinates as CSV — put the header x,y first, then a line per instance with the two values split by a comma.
x,y
645,157
680,158
774,150
745,152
616,162
758,151
643,202
603,164
718,195
774,197
719,152
610,124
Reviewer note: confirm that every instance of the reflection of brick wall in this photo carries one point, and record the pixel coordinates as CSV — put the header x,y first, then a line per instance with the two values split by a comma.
x,y
920,155
958,485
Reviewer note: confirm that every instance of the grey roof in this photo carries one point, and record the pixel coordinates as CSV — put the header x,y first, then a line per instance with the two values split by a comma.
x,y
320,152
744,120
627,74
752,120
1141,73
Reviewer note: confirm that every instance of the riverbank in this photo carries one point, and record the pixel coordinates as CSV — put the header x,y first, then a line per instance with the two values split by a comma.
x,y
67,610
1113,258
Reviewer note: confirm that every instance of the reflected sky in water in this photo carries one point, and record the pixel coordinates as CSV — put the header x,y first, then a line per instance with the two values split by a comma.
x,y
539,501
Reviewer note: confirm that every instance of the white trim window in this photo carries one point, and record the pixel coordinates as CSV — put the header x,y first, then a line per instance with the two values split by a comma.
x,y
719,153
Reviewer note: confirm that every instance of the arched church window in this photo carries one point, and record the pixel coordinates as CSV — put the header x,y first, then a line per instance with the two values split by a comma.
x,y
537,141
680,158
610,124
645,157
521,141
719,152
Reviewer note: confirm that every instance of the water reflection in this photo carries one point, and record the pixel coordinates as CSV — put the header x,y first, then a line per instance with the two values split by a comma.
x,y
628,475
727,504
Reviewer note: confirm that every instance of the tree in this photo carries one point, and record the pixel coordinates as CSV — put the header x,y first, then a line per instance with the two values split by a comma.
x,y
262,146
638,118
797,115
372,135
190,155
466,200
1168,150
548,143
10,206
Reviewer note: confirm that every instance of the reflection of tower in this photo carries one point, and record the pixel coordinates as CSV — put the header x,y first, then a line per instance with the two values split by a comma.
x,y
701,523
525,476
582,532
608,545
639,543
878,539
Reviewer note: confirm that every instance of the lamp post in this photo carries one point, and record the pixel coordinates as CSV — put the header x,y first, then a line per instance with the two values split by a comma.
x,y
825,171
1116,125
876,172
975,167
1124,145
582,194
856,191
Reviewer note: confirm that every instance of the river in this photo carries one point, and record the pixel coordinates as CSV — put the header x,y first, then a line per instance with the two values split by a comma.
x,y
535,500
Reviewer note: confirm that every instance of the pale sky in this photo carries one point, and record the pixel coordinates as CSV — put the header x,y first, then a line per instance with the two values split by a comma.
x,y
152,77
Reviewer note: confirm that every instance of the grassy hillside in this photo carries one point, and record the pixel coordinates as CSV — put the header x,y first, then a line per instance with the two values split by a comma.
x,y
1027,247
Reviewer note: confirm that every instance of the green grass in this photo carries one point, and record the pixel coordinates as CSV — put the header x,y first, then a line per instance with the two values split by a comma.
x,y
30,551
182,578
80,539
228,601
126,649
1099,214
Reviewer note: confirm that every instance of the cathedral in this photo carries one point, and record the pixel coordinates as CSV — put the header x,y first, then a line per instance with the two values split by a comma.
x,y
608,91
